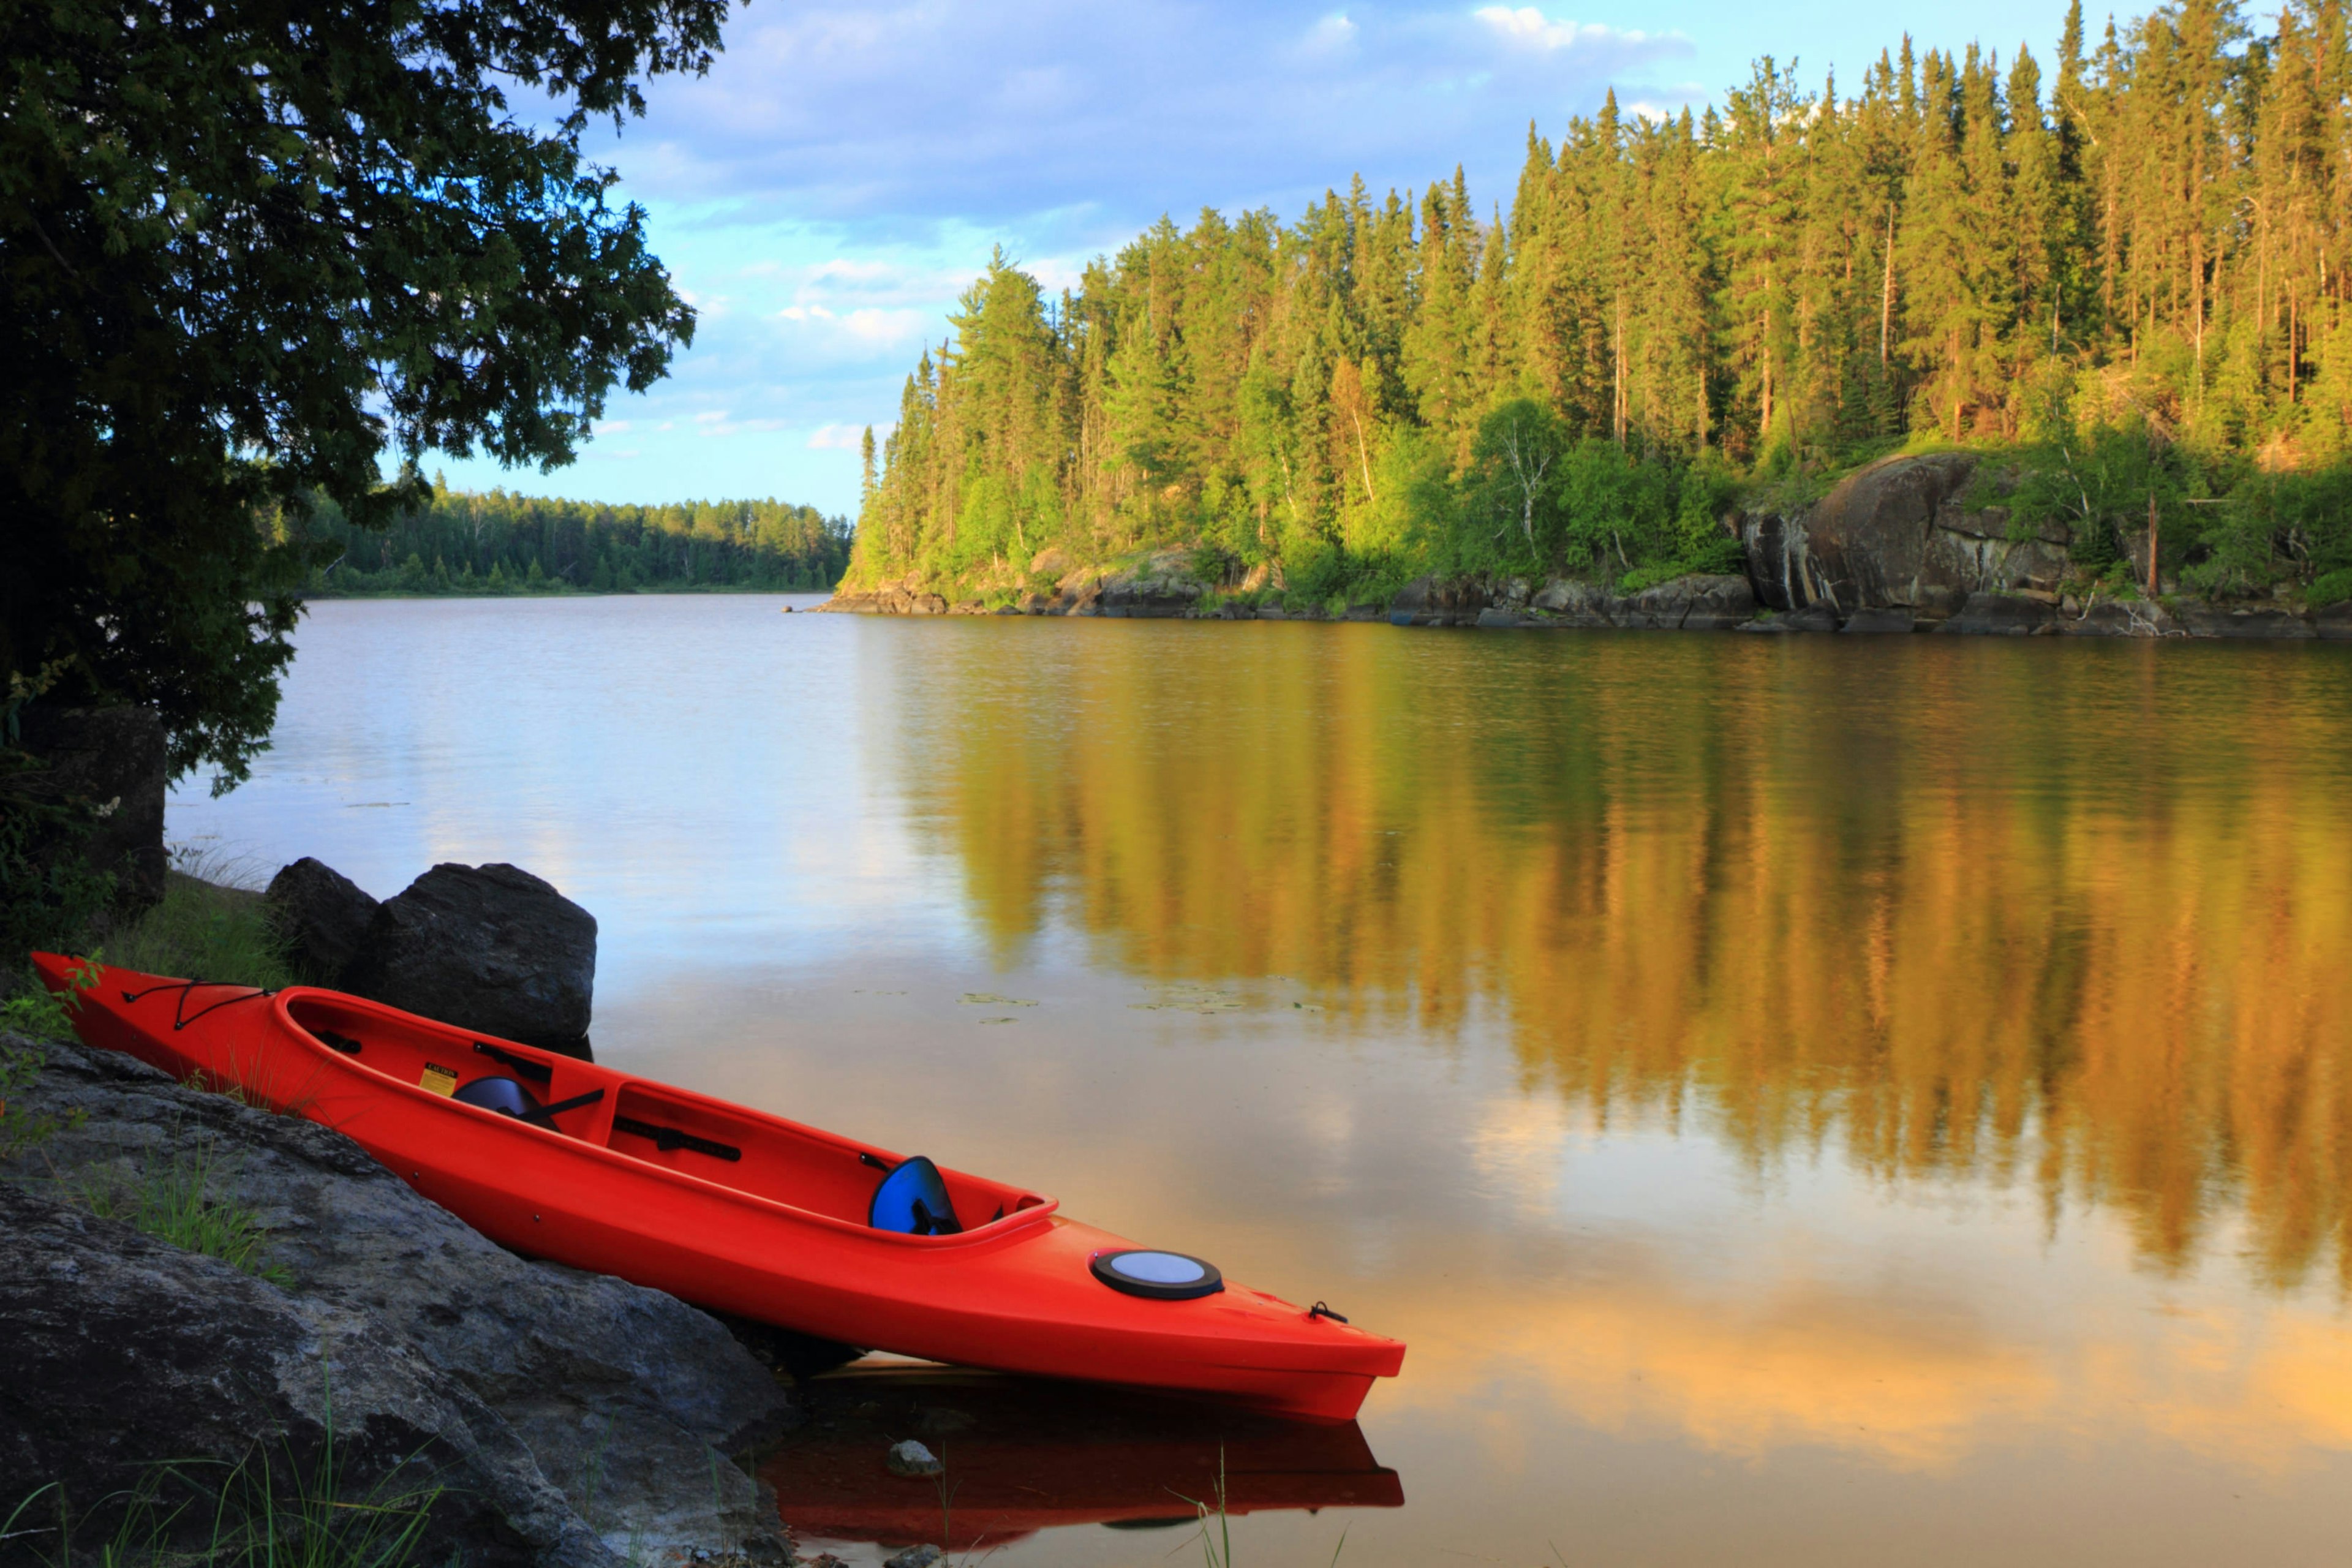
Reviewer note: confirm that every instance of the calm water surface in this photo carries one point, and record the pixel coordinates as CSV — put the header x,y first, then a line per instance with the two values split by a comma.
x,y
1804,1100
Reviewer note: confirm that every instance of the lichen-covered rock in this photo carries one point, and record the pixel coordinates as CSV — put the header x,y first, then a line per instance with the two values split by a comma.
x,y
1569,602
323,915
2265,622
1162,587
1079,592
126,1353
617,1395
490,948
1438,602
1694,603
1898,533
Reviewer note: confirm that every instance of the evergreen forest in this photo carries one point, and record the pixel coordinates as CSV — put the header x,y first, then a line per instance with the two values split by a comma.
x,y
2124,271
465,543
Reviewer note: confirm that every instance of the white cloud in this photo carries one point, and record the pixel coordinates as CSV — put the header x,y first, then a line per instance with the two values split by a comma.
x,y
838,438
1528,27
1332,32
885,326
917,110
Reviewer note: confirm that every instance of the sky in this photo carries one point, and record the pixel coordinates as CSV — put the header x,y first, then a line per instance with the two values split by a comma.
x,y
844,171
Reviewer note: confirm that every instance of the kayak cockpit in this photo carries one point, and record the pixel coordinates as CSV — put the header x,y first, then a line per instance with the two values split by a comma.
x,y
673,1129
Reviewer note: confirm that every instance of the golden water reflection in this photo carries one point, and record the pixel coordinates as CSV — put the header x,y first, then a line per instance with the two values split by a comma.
x,y
2076,917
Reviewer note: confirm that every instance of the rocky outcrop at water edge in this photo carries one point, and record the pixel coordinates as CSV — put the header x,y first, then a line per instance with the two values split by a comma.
x,y
572,1418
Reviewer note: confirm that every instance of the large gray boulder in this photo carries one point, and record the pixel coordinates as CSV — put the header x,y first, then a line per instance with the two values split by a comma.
x,y
1570,602
1700,602
109,764
585,1395
126,1353
1161,587
1898,533
489,948
324,916
1435,601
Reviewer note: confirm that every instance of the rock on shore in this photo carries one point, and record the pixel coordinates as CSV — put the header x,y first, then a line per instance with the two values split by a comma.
x,y
490,948
575,1418
1897,534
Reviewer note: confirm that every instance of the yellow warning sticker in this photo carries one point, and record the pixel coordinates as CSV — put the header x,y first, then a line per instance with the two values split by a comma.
x,y
439,1079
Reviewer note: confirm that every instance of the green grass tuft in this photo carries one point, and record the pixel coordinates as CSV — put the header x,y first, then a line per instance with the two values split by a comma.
x,y
262,1515
172,1202
207,928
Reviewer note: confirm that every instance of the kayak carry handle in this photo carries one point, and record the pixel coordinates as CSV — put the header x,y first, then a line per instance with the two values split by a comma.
x,y
669,1138
538,1072
181,1016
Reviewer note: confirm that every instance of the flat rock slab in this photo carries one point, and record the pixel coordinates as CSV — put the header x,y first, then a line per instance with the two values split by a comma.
x,y
1812,618
126,1353
622,1397
2002,614
2265,622
1880,622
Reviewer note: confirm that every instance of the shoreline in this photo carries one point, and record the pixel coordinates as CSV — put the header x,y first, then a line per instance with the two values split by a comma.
x,y
1911,542
1696,603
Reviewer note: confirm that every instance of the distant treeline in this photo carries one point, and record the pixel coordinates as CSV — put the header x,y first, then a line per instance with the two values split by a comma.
x,y
2132,274
467,542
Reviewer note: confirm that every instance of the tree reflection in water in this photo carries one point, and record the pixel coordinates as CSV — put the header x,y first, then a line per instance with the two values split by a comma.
x,y
2076,913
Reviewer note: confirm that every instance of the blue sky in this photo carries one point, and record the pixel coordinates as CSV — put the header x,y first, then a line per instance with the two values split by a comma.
x,y
844,171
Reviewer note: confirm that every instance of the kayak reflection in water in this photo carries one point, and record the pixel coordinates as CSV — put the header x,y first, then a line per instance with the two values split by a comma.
x,y
1022,1455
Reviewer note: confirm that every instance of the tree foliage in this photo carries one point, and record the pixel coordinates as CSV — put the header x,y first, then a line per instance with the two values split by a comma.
x,y
248,249
2141,248
463,542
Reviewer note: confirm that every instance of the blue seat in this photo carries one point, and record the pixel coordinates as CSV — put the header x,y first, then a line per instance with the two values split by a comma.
x,y
912,1199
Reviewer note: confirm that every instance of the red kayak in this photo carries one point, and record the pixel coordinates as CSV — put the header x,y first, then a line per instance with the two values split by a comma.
x,y
733,1209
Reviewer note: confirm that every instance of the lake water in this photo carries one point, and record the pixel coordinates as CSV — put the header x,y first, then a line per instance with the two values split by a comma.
x,y
1804,1100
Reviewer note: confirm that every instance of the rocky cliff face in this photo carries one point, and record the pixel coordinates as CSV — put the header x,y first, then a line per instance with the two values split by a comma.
x,y
1896,535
